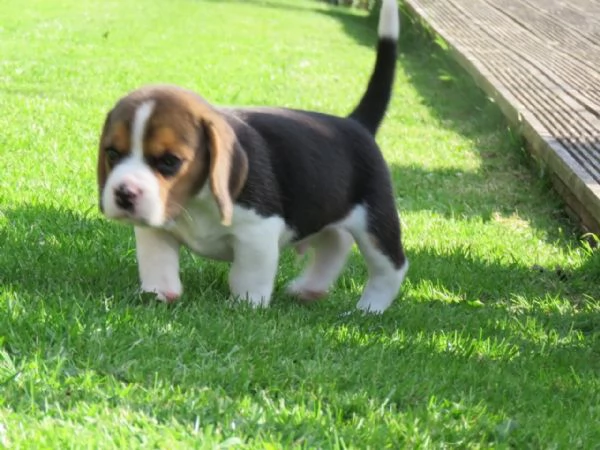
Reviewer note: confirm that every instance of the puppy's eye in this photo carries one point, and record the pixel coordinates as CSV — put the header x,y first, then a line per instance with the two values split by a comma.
x,y
113,155
167,164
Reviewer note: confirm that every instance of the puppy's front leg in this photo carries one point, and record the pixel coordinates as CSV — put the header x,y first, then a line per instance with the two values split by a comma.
x,y
253,270
158,263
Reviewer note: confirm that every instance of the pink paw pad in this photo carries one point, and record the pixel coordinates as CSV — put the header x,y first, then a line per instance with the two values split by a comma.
x,y
170,297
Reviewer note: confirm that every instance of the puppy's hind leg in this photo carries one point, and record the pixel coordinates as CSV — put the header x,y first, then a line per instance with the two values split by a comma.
x,y
331,247
377,233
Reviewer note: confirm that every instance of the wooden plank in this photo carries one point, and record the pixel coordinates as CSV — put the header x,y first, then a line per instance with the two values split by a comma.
x,y
543,75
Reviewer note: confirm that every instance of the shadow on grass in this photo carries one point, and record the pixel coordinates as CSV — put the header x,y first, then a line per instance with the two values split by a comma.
x,y
59,252
47,250
50,252
70,272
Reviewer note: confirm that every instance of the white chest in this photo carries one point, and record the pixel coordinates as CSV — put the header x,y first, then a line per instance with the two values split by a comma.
x,y
199,229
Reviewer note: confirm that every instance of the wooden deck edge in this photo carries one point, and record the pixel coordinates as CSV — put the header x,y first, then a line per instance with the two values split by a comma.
x,y
580,194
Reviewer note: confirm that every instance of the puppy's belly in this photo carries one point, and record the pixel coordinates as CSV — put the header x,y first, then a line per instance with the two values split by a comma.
x,y
213,249
213,246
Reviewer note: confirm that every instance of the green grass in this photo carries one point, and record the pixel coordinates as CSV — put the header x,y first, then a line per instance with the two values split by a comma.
x,y
494,341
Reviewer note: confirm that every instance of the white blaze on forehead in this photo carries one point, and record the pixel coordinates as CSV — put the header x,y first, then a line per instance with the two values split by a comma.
x,y
142,114
135,173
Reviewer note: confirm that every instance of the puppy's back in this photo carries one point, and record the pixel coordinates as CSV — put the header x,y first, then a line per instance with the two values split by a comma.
x,y
321,165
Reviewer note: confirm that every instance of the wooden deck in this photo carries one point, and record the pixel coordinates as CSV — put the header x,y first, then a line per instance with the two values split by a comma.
x,y
540,60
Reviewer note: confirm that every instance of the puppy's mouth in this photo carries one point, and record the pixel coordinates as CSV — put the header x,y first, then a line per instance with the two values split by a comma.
x,y
130,218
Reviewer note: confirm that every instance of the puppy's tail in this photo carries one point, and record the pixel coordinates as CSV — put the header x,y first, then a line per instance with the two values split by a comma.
x,y
372,106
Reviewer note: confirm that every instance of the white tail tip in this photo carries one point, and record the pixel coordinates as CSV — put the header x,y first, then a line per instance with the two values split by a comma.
x,y
389,21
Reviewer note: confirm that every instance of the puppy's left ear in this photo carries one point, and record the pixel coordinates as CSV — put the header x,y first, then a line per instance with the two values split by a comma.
x,y
102,169
228,164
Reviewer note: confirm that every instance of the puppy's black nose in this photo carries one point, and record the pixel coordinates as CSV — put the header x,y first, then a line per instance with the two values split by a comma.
x,y
126,196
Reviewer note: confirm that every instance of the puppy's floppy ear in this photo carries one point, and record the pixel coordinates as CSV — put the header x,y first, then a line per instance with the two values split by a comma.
x,y
228,164
102,170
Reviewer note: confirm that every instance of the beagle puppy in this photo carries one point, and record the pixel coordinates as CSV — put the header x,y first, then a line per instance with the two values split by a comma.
x,y
238,184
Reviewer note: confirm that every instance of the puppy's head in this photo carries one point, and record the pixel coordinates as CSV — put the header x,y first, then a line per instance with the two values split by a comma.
x,y
158,148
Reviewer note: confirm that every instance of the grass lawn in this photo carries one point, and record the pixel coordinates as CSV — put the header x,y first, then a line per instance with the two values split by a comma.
x,y
494,341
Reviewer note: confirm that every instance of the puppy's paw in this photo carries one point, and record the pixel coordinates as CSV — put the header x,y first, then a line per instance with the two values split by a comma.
x,y
255,300
257,295
367,307
162,294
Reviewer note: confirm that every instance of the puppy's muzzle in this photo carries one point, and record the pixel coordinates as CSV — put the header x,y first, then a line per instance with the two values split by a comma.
x,y
126,196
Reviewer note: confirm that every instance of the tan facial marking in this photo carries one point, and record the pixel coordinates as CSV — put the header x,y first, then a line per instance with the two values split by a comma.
x,y
175,190
119,138
162,139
